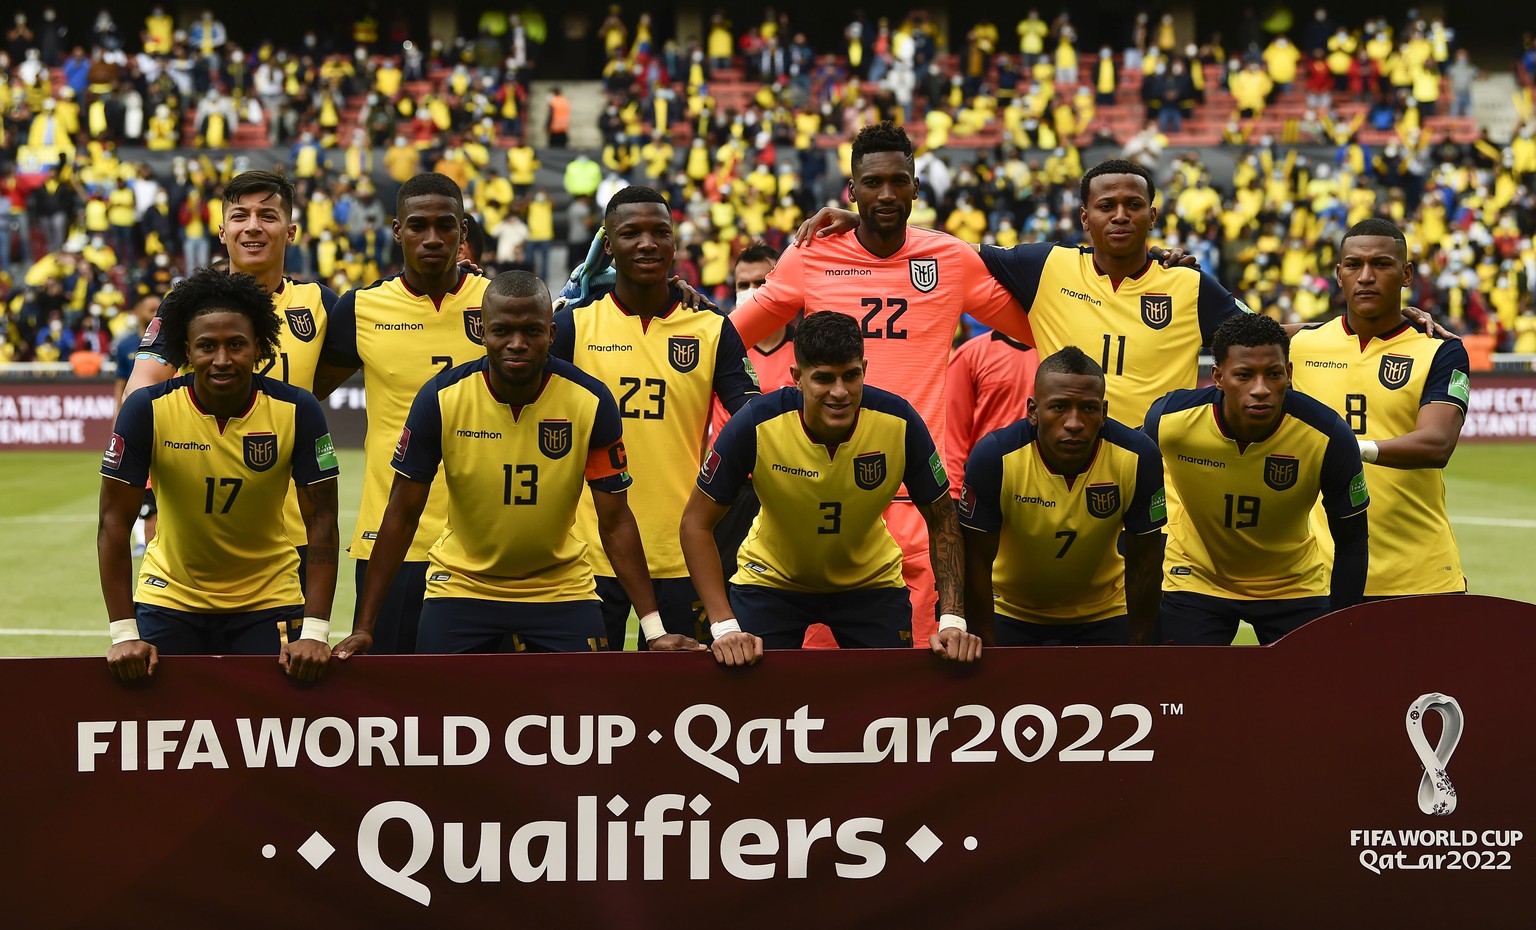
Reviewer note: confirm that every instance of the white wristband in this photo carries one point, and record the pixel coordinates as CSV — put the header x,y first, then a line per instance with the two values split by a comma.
x,y
952,622
124,631
728,625
1369,451
317,630
650,626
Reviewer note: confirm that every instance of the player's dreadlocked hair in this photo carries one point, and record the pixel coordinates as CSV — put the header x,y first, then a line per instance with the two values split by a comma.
x,y
1069,361
884,136
1116,166
426,184
1248,330
210,291
260,182
634,193
828,338
1375,226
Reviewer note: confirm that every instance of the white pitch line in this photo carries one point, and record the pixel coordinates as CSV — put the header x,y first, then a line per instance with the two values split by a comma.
x,y
1495,521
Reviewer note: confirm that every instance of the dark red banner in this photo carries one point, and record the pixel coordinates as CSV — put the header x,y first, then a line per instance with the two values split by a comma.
x,y
1152,787
56,414
1503,408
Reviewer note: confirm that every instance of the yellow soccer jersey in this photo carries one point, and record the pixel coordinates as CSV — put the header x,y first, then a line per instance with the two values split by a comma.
x,y
401,339
820,528
304,312
514,477
1379,388
1242,532
1146,333
218,548
663,374
1057,558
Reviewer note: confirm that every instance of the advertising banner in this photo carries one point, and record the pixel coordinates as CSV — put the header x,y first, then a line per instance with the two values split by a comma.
x,y
1369,770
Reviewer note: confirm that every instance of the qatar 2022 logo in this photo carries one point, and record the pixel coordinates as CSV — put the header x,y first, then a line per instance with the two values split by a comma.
x,y
1437,796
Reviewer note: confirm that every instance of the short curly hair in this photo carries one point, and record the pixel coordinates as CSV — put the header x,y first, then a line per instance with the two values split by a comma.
x,y
1248,330
884,136
208,290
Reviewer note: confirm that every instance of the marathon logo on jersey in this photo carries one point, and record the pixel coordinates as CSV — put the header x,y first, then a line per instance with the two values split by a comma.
x,y
1156,310
260,451
707,470
403,444
474,326
151,333
967,501
1103,500
1281,471
555,438
1394,371
301,322
924,273
113,457
683,352
869,470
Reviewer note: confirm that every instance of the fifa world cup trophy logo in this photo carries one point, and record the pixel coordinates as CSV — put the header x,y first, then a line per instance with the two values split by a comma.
x,y
1437,797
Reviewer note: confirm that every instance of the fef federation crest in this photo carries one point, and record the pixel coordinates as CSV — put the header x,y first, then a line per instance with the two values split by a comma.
x,y
683,352
301,322
1394,371
1281,471
474,326
869,470
260,451
925,273
1156,310
1103,500
555,438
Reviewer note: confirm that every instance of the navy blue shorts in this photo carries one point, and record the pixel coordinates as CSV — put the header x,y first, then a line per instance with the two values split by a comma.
x,y
871,618
1190,619
1113,631
469,624
251,633
681,610
394,633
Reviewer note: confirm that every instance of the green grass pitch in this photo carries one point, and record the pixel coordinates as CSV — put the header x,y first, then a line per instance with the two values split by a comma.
x,y
52,600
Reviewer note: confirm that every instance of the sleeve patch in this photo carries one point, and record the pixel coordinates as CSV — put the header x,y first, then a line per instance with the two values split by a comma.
x,y
710,466
967,501
751,372
1159,507
1460,387
113,457
937,467
151,333
403,444
1357,494
325,453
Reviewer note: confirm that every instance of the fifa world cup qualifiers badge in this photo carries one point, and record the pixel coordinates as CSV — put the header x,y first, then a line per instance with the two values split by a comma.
x,y
1436,795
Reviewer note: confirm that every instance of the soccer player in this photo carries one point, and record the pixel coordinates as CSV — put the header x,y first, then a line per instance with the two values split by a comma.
x,y
907,287
827,457
517,428
258,226
1404,397
1043,506
988,384
401,331
1249,458
223,446
663,364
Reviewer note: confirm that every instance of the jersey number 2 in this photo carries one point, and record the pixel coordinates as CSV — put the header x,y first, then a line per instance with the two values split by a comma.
x,y
871,327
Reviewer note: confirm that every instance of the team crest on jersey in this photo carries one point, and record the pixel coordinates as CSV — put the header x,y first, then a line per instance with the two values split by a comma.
x,y
869,470
1103,500
924,272
1156,310
555,438
474,326
1280,471
301,322
683,352
1395,370
260,451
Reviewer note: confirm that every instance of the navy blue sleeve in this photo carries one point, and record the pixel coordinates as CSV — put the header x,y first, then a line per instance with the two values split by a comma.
x,y
730,461
733,385
924,477
420,448
564,343
125,351
1216,304
1448,381
1343,474
340,346
314,455
1018,268
1148,509
981,494
133,440
1154,418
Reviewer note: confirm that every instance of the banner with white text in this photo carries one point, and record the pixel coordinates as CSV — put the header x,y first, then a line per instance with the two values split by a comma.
x,y
1370,770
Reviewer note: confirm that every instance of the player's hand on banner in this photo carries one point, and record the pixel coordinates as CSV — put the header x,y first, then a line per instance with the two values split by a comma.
x,y
737,649
676,642
304,659
692,299
828,221
1175,256
956,645
132,660
359,642
589,280
1424,321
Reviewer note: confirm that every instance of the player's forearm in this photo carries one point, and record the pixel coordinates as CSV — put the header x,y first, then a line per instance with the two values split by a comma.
x,y
146,372
703,560
620,536
329,377
324,548
114,562
978,595
1143,585
947,553
1422,448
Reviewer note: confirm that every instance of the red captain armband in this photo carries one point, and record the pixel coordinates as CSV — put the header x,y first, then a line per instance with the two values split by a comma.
x,y
607,461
